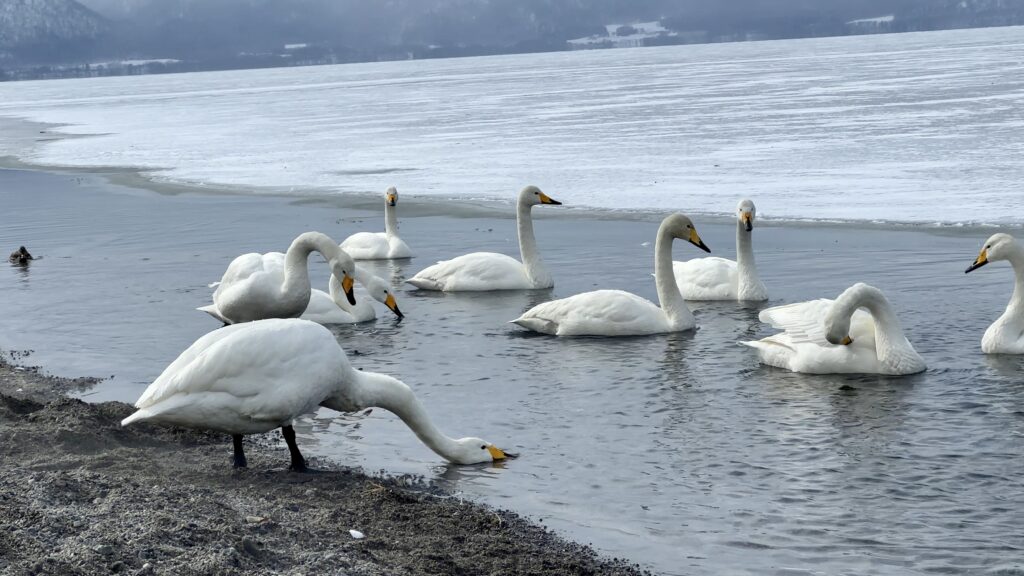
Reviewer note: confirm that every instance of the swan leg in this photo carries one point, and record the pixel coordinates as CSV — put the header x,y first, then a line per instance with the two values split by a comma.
x,y
298,462
239,452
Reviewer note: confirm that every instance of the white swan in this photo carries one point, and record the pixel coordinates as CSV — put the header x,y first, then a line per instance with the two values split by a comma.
x,y
491,271
715,278
257,376
274,285
1006,334
333,308
380,245
618,313
836,337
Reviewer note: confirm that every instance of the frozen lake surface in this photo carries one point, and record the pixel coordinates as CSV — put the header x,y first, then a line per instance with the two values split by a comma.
x,y
909,127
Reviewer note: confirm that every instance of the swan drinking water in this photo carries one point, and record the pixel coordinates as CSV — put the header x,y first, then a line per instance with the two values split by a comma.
x,y
836,337
380,245
253,377
333,308
715,278
274,285
491,271
1006,334
619,313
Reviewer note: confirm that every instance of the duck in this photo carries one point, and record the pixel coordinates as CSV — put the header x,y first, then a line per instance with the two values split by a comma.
x,y
384,245
714,278
20,256
333,308
481,271
837,337
620,313
1006,334
274,285
257,376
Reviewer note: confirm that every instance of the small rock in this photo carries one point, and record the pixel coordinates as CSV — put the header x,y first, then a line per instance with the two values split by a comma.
x,y
254,519
357,534
118,567
104,550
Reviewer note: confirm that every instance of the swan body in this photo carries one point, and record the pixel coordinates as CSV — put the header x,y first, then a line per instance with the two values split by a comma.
x,y
490,271
1006,334
257,376
333,308
619,313
837,337
714,278
274,285
380,245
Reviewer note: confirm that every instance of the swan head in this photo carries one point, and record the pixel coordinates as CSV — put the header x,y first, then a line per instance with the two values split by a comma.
x,y
531,195
380,291
680,226
344,269
477,451
391,196
746,212
997,247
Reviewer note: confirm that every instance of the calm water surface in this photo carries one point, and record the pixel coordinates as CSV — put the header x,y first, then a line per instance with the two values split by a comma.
x,y
679,452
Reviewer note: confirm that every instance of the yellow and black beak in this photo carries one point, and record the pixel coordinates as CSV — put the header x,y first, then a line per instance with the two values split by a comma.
x,y
545,199
391,199
390,303
696,241
499,454
980,261
846,341
347,284
748,219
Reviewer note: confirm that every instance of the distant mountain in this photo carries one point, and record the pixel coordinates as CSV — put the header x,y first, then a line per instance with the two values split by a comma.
x,y
46,30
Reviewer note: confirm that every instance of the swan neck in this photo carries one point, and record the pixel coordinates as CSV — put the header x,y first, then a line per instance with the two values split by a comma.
x,y
390,220
745,266
296,260
362,311
669,297
1016,259
890,342
535,268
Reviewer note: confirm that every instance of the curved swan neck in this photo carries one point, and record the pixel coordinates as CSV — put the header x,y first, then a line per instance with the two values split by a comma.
x,y
890,342
390,220
362,311
296,267
1016,259
669,297
749,283
535,268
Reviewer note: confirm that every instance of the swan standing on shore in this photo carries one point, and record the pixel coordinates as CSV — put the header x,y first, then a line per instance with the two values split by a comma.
x,y
333,308
1006,334
716,278
380,245
490,271
254,377
619,313
274,285
836,337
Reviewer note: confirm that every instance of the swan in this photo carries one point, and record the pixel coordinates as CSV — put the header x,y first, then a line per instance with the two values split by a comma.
x,y
836,337
253,377
380,245
1006,334
333,308
715,278
274,285
490,271
619,313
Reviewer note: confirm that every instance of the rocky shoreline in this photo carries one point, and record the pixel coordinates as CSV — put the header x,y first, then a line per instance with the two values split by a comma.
x,y
81,495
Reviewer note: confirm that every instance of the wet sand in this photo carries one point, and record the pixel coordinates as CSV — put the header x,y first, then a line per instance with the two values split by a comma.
x,y
81,495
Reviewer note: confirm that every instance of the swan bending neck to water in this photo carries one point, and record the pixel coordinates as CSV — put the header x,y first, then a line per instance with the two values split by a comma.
x,y
620,313
490,271
1006,334
332,307
380,245
254,377
831,337
715,278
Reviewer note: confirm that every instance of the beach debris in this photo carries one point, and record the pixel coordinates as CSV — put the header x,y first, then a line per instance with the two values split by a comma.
x,y
357,534
20,256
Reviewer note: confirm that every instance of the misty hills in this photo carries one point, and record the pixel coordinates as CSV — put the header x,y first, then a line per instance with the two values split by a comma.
x,y
241,33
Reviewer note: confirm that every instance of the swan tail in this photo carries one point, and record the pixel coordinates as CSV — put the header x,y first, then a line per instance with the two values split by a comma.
x,y
142,414
213,284
425,283
537,325
211,309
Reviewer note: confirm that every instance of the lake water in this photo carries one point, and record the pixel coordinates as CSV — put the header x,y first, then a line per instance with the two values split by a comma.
x,y
905,127
678,452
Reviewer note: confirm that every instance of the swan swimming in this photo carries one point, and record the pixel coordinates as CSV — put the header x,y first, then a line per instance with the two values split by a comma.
x,y
274,285
1006,334
380,245
253,377
490,271
836,337
619,313
714,278
333,308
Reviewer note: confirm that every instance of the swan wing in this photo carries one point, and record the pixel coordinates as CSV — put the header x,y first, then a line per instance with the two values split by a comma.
x,y
366,245
801,322
597,313
476,271
710,278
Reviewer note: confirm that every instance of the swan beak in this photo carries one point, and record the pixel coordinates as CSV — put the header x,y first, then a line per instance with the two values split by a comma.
x,y
696,241
392,200
748,219
499,454
347,285
390,303
846,341
545,199
980,261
